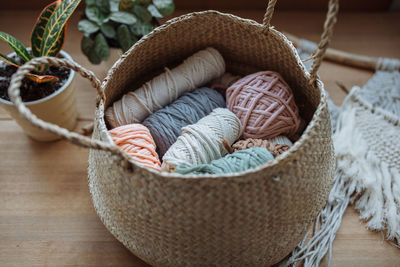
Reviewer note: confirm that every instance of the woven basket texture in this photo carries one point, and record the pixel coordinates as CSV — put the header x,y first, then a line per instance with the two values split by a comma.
x,y
253,218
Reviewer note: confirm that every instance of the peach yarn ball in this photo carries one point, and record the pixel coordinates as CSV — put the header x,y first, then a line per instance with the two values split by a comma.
x,y
265,105
136,140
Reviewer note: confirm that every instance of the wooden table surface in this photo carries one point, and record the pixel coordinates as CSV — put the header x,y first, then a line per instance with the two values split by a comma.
x,y
46,214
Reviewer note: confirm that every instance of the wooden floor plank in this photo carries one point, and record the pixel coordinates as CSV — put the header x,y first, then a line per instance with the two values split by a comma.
x,y
46,214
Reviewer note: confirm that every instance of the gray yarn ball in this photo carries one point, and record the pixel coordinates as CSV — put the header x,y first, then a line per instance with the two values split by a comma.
x,y
165,124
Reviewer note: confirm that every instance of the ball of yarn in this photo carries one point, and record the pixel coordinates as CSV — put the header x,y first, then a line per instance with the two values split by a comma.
x,y
236,162
202,142
275,149
265,105
166,124
162,90
136,141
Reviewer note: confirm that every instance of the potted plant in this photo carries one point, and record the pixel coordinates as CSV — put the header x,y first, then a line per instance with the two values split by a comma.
x,y
111,27
48,91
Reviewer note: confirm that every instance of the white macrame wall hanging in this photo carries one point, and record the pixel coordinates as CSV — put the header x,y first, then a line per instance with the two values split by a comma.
x,y
366,134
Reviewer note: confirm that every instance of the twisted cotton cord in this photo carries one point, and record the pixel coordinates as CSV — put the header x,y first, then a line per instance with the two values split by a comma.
x,y
388,64
281,139
326,37
265,105
236,162
137,142
268,15
14,93
165,124
162,90
275,149
201,143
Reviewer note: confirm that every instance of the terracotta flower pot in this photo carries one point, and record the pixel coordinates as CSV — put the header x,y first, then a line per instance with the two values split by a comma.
x,y
58,108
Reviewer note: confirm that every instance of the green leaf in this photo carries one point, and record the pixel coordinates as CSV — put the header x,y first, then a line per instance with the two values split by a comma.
x,y
87,27
90,2
123,17
108,30
51,45
87,45
125,5
94,58
141,28
9,60
114,5
142,13
154,11
16,45
93,13
124,37
101,47
42,78
166,7
38,30
104,6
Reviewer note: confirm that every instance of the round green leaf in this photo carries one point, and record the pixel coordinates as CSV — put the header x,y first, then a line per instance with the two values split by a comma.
x,y
87,27
94,14
108,30
101,46
166,7
141,28
142,13
154,11
103,5
90,2
94,58
114,5
124,37
123,17
87,45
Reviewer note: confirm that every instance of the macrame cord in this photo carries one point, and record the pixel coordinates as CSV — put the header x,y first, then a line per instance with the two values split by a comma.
x,y
368,170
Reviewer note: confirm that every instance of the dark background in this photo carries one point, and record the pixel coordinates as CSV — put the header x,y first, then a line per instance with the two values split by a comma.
x,y
345,5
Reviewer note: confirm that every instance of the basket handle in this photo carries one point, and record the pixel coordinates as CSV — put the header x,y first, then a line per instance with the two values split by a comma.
x,y
80,140
331,18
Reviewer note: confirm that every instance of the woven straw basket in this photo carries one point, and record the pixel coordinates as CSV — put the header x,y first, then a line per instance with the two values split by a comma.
x,y
252,218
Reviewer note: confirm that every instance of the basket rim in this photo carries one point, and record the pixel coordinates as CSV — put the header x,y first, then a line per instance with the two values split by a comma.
x,y
281,159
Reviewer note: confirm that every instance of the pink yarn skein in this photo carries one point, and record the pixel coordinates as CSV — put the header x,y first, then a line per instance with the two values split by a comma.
x,y
265,105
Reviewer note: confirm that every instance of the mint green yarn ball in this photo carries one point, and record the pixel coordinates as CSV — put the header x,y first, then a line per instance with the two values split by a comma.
x,y
238,161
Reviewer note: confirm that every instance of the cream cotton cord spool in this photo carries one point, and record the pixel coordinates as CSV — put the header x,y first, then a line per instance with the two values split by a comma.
x,y
162,90
201,143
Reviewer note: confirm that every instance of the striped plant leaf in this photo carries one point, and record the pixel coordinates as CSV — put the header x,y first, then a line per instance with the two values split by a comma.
x,y
9,60
42,78
41,22
16,45
51,42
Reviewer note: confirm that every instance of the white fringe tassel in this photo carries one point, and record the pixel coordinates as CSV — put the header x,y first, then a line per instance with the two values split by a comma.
x,y
360,178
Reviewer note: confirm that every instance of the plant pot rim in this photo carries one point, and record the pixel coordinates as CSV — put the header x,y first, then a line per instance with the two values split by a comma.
x,y
58,91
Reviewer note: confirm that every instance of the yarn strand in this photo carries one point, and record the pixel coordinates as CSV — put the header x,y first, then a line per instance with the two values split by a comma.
x,y
265,105
165,124
237,162
162,90
201,143
135,139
